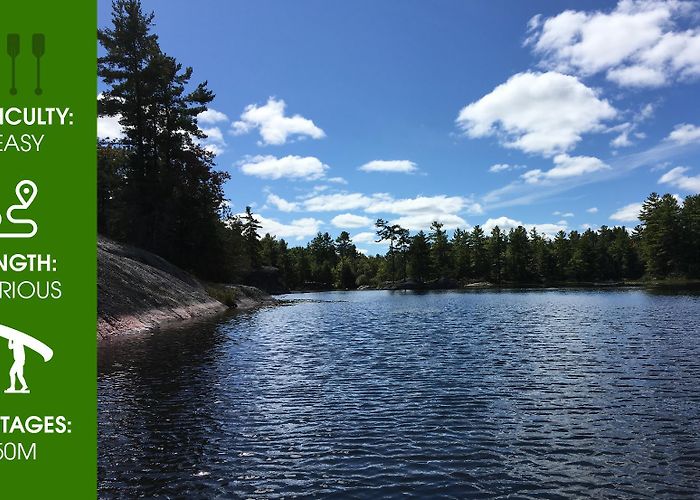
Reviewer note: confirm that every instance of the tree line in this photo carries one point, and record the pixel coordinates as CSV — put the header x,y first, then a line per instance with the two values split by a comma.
x,y
158,189
665,245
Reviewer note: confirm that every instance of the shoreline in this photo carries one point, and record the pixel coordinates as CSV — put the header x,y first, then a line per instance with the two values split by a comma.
x,y
139,292
667,284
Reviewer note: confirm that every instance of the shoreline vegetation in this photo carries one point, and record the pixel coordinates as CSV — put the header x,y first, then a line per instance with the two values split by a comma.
x,y
160,193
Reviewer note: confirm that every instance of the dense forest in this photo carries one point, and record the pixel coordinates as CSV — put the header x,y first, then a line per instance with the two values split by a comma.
x,y
158,189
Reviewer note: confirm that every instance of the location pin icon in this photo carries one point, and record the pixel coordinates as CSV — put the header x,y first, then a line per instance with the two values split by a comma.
x,y
26,192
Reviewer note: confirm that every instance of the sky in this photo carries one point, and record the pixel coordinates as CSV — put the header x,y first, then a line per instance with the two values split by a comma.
x,y
329,115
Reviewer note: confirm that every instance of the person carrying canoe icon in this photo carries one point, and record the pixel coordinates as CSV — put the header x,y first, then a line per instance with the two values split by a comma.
x,y
16,342
17,370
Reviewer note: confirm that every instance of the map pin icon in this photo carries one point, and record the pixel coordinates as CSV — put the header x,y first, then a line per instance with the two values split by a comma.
x,y
26,192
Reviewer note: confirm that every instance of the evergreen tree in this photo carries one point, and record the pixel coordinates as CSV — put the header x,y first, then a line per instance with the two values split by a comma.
x,y
479,253
562,256
345,246
439,250
461,254
660,241
419,257
518,255
249,230
690,228
496,251
170,196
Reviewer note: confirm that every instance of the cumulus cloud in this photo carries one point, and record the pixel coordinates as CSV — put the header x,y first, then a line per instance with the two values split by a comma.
x,y
417,222
281,204
339,201
214,134
506,224
365,237
565,167
592,210
109,128
274,127
439,204
628,213
299,228
504,167
349,220
684,133
639,43
411,213
545,113
402,166
211,116
290,167
676,177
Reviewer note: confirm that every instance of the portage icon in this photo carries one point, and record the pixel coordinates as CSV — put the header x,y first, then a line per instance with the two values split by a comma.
x,y
16,342
25,191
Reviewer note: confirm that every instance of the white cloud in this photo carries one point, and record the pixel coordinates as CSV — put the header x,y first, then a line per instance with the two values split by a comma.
x,y
629,128
417,222
109,128
413,213
274,127
214,135
544,113
622,141
299,228
506,224
592,210
565,167
215,149
291,167
676,177
639,43
337,180
628,213
684,133
439,204
402,166
504,167
338,201
563,214
211,116
281,204
351,221
365,237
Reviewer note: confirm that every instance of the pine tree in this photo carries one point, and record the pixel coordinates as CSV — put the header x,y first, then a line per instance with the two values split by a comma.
x,y
496,251
479,253
249,230
419,257
170,196
660,238
690,227
439,250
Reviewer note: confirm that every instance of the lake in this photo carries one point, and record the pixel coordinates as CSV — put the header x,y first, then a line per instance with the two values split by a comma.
x,y
529,393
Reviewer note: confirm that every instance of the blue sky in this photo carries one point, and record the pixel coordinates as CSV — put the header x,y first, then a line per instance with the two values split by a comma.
x,y
329,115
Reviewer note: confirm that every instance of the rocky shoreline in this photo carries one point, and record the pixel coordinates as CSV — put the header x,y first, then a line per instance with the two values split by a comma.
x,y
139,292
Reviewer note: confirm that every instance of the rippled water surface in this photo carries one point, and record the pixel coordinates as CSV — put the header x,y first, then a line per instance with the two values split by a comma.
x,y
531,394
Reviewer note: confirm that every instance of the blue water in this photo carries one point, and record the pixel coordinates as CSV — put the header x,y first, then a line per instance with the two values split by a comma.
x,y
528,394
